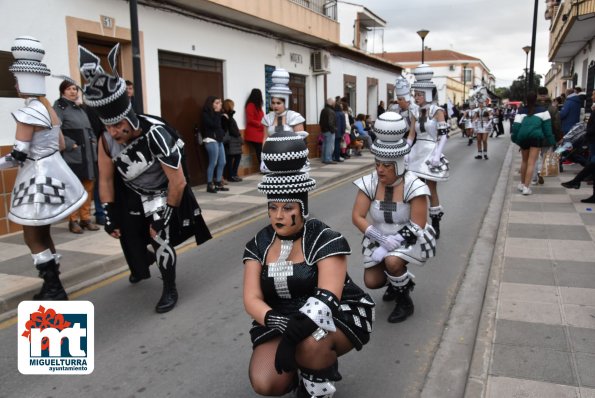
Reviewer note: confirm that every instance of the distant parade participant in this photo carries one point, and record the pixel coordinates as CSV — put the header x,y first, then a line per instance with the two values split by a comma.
x,y
45,190
406,105
147,155
482,121
281,118
467,123
307,311
430,132
391,209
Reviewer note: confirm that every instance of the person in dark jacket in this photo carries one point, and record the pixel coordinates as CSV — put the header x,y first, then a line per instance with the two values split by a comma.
x,y
328,128
589,169
213,134
233,144
340,130
571,111
80,152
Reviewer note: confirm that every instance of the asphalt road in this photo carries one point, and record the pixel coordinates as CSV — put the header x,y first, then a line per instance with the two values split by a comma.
x,y
202,348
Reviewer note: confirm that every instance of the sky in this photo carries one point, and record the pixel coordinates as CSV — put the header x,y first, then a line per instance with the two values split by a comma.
x,y
494,31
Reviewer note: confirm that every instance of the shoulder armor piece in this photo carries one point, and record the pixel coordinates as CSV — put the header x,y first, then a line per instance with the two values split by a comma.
x,y
367,184
164,146
258,246
320,242
34,113
414,187
294,118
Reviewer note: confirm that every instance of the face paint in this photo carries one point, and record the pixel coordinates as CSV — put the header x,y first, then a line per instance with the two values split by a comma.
x,y
293,220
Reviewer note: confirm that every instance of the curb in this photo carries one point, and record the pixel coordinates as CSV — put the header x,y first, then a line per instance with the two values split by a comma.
x,y
105,268
450,367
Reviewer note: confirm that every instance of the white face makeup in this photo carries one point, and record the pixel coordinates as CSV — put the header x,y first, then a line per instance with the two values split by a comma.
x,y
286,217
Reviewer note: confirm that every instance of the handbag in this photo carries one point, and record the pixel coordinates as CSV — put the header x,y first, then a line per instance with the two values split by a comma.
x,y
197,136
550,166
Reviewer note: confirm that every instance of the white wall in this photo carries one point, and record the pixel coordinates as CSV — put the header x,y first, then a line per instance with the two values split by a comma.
x,y
346,14
244,55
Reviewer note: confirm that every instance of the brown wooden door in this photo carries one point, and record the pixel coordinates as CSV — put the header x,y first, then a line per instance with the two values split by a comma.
x,y
297,85
183,93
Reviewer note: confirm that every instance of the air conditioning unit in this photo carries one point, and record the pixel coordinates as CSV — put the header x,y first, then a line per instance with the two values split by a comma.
x,y
567,69
320,62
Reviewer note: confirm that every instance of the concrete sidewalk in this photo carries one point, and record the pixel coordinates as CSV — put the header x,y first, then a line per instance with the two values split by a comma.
x,y
523,324
94,256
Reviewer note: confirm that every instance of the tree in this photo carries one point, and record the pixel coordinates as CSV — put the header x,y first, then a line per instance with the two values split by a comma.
x,y
517,89
502,92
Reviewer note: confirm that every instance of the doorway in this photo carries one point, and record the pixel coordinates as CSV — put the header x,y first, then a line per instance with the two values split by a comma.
x,y
185,82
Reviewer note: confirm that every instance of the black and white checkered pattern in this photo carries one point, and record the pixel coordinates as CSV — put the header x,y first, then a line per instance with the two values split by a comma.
x,y
38,189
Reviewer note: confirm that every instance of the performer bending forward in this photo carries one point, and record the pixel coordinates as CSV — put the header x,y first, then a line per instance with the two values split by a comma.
x,y
148,158
306,309
430,130
396,201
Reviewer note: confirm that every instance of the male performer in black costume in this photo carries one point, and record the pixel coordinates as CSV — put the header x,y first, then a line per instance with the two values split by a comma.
x,y
146,154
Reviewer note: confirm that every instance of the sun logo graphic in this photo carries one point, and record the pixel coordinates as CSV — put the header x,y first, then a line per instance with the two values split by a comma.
x,y
56,337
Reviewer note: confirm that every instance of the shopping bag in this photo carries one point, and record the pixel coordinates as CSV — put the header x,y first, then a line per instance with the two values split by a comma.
x,y
551,164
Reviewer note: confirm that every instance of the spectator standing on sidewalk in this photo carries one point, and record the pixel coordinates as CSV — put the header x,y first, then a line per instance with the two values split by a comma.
x,y
45,190
80,152
328,127
233,147
213,135
340,125
589,169
147,154
532,130
571,111
254,132
381,109
544,101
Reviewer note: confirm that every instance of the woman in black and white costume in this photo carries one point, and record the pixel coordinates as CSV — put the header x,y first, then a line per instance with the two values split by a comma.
x,y
281,118
482,123
45,190
430,132
391,211
291,266
406,106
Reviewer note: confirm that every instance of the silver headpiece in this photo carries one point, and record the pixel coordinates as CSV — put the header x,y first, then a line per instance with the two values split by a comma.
x,y
390,128
423,81
280,88
402,88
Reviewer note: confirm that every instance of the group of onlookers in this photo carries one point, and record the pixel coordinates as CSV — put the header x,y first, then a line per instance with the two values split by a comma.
x,y
341,134
542,124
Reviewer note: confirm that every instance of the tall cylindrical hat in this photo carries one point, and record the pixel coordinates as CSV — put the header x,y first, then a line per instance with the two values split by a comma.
x,y
285,154
28,69
389,146
280,87
423,81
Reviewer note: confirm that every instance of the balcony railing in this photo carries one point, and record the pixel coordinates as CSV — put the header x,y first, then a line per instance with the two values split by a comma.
x,y
328,8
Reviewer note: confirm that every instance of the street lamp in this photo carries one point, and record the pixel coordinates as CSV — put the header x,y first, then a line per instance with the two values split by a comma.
x,y
527,50
464,81
422,33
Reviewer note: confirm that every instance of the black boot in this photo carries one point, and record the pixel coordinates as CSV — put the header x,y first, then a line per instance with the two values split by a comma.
x,y
169,297
220,187
436,223
404,307
390,294
52,288
211,188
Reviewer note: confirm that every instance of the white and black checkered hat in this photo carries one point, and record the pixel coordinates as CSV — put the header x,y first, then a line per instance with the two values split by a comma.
x,y
285,154
390,128
28,69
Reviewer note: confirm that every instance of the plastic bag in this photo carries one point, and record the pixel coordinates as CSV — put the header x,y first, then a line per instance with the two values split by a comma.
x,y
551,164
